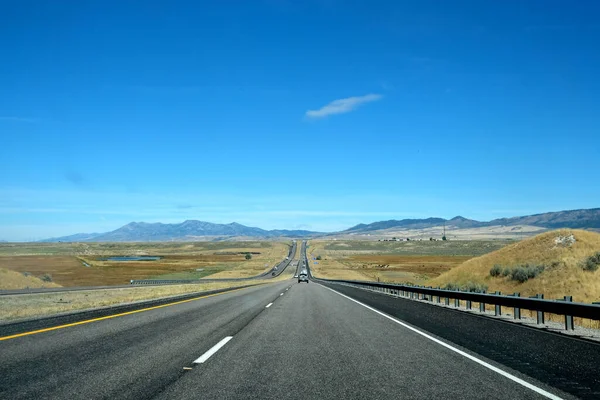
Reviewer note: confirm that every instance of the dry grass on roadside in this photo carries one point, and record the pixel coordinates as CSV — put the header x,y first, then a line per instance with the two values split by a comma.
x,y
16,280
43,304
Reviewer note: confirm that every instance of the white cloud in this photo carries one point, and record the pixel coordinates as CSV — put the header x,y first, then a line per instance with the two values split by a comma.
x,y
342,106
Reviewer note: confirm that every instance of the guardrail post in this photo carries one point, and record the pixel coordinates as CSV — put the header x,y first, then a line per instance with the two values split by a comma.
x,y
517,311
498,308
569,318
447,301
457,303
482,305
540,314
468,304
438,299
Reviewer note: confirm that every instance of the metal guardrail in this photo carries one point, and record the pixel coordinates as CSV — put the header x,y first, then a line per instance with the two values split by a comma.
x,y
162,281
565,306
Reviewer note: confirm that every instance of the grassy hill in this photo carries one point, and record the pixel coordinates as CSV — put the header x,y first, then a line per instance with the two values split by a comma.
x,y
553,260
16,280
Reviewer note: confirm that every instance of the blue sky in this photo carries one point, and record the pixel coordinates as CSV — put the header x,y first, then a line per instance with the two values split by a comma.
x,y
294,114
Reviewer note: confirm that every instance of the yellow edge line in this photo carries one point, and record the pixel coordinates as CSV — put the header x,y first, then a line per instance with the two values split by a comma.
x,y
87,321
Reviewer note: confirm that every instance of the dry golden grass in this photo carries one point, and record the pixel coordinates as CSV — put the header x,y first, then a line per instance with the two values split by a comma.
x,y
331,268
565,278
15,280
65,262
43,304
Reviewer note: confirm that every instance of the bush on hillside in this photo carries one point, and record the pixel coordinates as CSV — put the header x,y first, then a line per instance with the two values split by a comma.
x,y
519,274
525,272
475,287
319,258
46,278
248,256
469,287
495,270
592,262
451,286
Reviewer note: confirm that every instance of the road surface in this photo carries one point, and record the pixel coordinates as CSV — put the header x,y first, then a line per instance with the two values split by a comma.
x,y
283,340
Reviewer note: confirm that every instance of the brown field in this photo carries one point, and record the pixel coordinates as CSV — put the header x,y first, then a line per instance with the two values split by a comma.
x,y
413,269
386,268
65,262
391,261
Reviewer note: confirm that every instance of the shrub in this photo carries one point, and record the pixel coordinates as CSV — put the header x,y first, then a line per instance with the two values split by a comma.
x,y
506,271
451,286
319,258
592,263
46,278
26,273
248,256
519,274
495,270
535,270
475,287
469,287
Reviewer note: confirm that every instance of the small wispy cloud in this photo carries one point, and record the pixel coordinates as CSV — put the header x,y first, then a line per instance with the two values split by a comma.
x,y
18,119
75,178
342,106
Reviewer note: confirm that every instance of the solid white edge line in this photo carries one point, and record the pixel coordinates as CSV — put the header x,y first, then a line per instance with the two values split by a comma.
x,y
269,305
462,353
213,350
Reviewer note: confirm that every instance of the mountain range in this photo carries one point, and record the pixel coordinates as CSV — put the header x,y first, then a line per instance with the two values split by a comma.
x,y
588,219
198,230
187,230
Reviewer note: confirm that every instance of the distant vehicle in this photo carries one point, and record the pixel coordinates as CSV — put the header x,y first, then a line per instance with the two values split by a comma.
x,y
303,278
273,273
287,258
295,276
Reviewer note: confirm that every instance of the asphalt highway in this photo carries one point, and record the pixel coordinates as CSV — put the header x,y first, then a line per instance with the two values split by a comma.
x,y
281,340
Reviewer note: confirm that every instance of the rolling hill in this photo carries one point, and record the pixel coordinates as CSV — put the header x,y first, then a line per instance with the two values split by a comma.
x,y
562,253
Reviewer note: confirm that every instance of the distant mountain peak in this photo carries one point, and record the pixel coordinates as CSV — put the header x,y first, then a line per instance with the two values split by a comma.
x,y
187,230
